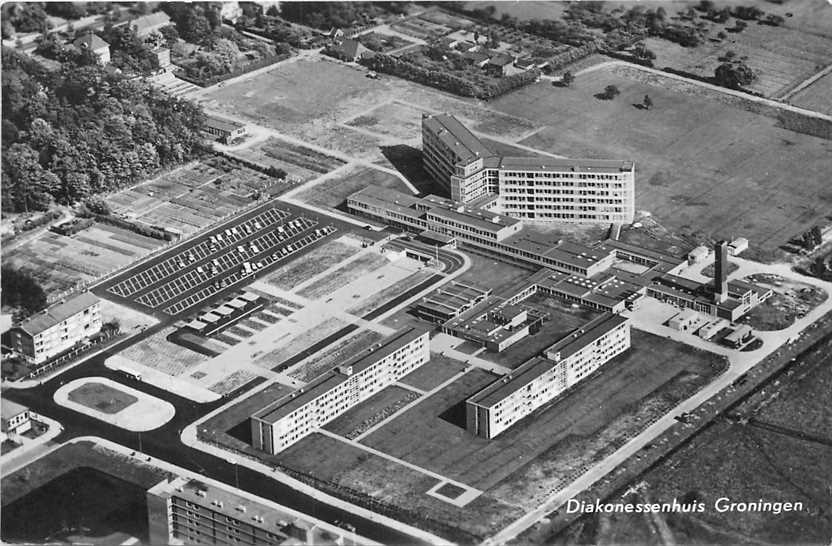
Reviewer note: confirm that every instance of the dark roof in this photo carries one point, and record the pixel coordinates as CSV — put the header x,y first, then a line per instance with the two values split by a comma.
x,y
351,48
222,124
586,335
90,41
501,59
58,313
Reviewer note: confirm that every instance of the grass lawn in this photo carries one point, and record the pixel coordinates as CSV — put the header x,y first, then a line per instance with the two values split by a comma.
x,y
395,119
698,172
333,192
336,353
343,276
573,431
231,426
815,97
102,397
371,411
434,372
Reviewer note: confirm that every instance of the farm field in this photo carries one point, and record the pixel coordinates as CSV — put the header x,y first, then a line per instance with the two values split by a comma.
x,y
816,97
61,262
333,192
307,266
193,196
698,172
743,462
572,431
782,57
370,412
299,162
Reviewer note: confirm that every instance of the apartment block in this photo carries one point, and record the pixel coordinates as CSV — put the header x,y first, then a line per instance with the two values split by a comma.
x,y
57,328
281,424
186,511
539,189
538,381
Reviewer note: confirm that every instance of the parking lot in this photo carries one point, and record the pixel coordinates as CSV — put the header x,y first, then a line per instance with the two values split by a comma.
x,y
219,260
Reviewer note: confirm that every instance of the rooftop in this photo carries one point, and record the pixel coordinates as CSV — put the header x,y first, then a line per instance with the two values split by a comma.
x,y
222,124
511,383
58,313
90,41
586,335
547,163
9,409
456,136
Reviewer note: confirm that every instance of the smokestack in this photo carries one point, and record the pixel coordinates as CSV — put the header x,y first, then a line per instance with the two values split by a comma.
x,y
720,271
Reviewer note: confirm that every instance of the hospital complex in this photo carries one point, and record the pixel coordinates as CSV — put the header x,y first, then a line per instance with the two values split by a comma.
x,y
491,198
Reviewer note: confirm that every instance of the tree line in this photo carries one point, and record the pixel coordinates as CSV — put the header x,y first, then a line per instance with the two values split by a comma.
x,y
83,130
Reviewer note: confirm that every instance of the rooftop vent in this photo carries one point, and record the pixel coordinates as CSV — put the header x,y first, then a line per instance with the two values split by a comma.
x,y
240,508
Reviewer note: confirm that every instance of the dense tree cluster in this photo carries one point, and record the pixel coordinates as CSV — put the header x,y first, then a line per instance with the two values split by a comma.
x,y
128,52
325,15
734,74
21,289
24,17
445,79
82,130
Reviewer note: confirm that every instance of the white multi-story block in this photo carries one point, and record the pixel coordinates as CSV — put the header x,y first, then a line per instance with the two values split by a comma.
x,y
538,381
535,189
281,424
58,328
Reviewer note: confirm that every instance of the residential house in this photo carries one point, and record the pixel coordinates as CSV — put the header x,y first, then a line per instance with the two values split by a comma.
x,y
91,42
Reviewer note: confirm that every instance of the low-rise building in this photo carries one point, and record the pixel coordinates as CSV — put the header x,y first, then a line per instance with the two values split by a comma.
x,y
16,419
187,511
284,422
738,245
92,43
449,300
350,50
540,380
224,130
712,328
57,328
687,320
740,336
495,323
741,296
698,255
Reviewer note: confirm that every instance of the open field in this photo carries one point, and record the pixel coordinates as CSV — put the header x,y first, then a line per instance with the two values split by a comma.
x,y
298,162
165,356
59,262
816,97
333,355
307,266
389,292
698,172
434,372
300,342
402,121
344,275
102,397
563,319
193,196
572,432
333,192
371,411
782,57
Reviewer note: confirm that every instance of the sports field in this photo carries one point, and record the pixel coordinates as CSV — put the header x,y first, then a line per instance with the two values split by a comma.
x,y
333,192
698,172
101,397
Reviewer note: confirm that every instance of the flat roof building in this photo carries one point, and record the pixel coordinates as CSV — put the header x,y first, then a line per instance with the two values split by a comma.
x,y
540,380
188,511
16,419
542,188
223,130
284,422
58,328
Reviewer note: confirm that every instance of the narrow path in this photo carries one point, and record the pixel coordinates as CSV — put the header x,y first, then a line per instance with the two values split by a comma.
x,y
805,83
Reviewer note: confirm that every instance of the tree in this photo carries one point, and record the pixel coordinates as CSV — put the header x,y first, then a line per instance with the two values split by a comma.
x,y
734,75
647,102
610,92
21,289
273,11
567,78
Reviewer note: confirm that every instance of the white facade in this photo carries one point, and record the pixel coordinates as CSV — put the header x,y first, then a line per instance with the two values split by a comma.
x,y
539,189
290,419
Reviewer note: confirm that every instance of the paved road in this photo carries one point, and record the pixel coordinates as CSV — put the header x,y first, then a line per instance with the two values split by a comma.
x,y
165,443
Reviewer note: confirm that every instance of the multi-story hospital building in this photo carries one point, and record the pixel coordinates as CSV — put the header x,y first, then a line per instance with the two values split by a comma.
x,y
538,188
